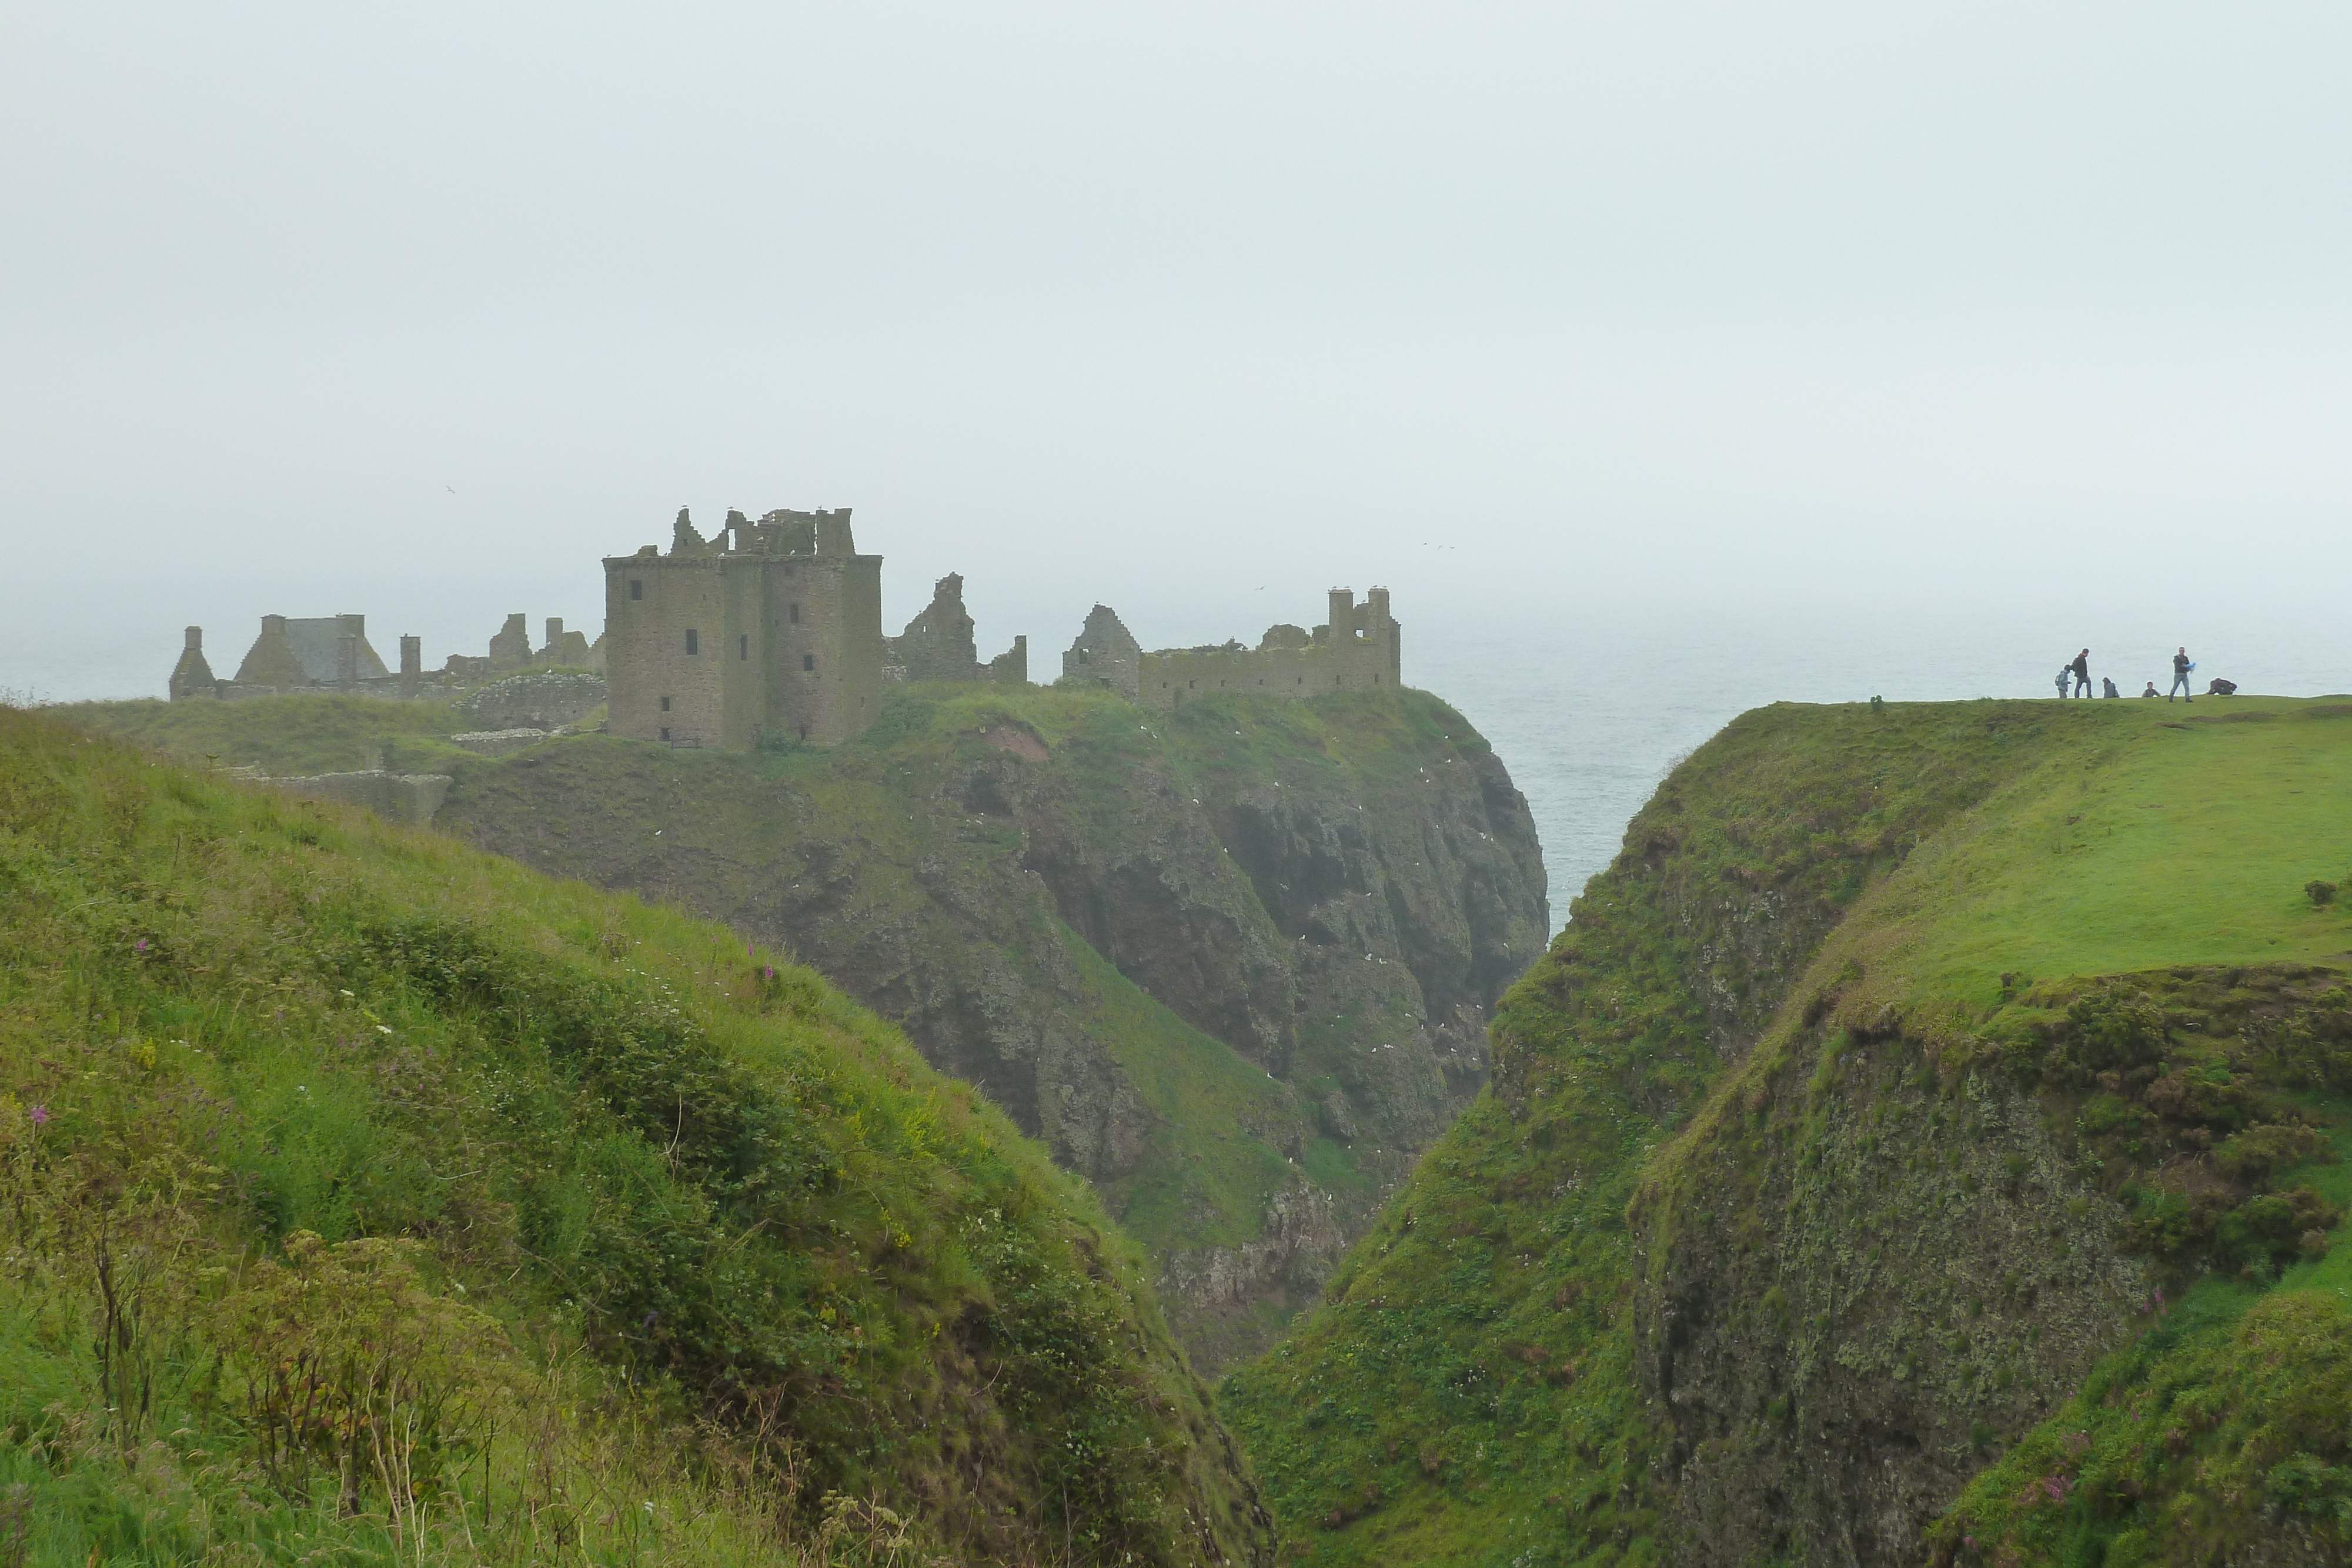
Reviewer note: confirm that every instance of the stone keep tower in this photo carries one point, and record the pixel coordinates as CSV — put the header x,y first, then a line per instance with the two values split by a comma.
x,y
772,629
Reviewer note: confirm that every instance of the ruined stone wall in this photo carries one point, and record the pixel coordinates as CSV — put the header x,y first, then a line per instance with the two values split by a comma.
x,y
535,699
1360,649
1105,653
411,798
938,644
510,644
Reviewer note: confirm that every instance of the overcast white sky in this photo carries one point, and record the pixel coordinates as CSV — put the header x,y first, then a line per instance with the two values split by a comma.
x,y
418,310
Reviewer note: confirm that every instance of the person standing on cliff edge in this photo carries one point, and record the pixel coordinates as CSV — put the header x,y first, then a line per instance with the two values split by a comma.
x,y
2082,668
2180,668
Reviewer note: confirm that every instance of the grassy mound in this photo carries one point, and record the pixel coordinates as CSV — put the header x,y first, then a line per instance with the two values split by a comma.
x,y
367,1194
1891,1072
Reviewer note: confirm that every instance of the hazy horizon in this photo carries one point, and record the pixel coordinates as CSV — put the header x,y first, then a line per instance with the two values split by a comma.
x,y
2031,316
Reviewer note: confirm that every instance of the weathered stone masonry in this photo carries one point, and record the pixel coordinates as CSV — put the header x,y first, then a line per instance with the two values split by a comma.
x,y
773,630
1359,649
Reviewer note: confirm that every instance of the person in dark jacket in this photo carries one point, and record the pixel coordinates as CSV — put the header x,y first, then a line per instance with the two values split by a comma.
x,y
2082,668
2108,686
2180,668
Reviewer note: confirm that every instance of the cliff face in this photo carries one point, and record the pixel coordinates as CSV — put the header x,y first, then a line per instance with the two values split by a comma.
x,y
1875,1170
1231,965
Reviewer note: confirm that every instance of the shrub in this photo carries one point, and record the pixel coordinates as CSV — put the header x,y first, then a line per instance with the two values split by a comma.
x,y
2320,893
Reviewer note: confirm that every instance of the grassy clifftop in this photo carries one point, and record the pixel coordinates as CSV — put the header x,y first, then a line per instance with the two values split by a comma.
x,y
368,1194
1233,965
1916,1144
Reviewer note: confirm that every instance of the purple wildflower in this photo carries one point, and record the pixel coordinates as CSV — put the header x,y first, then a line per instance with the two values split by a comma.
x,y
40,1114
770,971
141,947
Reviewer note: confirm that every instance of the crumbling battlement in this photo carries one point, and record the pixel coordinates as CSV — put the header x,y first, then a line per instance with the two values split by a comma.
x,y
1358,649
937,645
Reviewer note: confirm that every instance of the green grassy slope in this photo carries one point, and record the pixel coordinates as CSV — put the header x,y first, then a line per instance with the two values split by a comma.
x,y
1827,1030
1231,964
286,736
369,1195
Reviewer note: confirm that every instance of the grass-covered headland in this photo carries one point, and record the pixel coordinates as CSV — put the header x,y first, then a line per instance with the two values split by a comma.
x,y
1922,1145
1232,964
367,1199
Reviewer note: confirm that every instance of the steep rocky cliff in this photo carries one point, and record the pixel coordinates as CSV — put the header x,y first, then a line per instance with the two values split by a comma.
x,y
1908,1149
1233,965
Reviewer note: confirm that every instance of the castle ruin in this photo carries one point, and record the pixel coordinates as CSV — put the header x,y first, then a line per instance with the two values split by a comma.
x,y
771,629
1359,648
331,654
937,645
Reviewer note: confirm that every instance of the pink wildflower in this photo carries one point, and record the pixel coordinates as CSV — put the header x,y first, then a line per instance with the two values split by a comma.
x,y
142,946
40,1114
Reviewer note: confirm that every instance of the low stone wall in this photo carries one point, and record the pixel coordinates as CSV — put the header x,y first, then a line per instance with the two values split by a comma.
x,y
410,797
499,742
546,700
